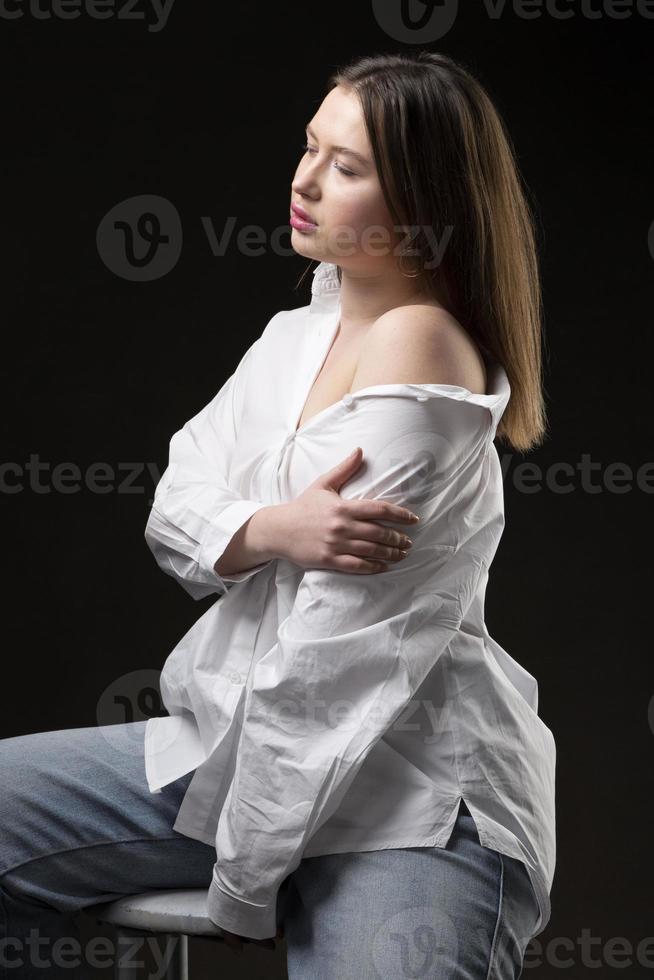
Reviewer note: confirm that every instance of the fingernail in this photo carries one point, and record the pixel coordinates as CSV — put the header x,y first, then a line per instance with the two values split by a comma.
x,y
414,517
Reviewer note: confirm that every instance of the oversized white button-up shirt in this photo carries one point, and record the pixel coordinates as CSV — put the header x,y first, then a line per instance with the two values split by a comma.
x,y
325,711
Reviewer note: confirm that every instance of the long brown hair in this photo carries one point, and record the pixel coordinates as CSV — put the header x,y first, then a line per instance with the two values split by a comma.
x,y
445,162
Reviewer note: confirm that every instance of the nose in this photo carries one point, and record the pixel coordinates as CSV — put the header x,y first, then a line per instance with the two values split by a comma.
x,y
305,186
305,181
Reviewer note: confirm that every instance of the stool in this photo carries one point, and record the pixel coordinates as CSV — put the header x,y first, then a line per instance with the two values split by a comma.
x,y
173,913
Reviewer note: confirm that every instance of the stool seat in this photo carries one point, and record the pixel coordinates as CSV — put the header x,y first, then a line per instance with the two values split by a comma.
x,y
180,910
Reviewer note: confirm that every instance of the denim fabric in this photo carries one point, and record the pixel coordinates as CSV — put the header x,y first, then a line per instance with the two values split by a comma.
x,y
463,912
78,825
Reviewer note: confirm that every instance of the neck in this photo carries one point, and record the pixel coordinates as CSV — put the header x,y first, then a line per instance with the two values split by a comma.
x,y
365,297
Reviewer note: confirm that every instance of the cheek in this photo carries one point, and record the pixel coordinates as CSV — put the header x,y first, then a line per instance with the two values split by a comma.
x,y
361,207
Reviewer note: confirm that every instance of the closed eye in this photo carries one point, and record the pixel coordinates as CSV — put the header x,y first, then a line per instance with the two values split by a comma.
x,y
346,173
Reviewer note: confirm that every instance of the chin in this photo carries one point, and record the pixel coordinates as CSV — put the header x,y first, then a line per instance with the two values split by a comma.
x,y
302,247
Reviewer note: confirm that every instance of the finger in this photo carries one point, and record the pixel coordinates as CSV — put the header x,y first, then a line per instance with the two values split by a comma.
x,y
342,472
376,534
356,566
379,510
372,551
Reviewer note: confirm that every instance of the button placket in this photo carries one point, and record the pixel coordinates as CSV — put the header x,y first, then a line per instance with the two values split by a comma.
x,y
281,455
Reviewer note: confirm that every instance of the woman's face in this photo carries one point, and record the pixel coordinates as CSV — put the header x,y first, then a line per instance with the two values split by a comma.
x,y
341,192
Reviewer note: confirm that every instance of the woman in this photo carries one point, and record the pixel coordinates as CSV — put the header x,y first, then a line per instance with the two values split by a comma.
x,y
349,757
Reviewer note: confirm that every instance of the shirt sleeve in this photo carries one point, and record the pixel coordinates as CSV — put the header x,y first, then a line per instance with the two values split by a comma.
x,y
353,650
195,512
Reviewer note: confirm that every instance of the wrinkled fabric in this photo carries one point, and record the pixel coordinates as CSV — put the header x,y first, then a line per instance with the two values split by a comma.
x,y
323,711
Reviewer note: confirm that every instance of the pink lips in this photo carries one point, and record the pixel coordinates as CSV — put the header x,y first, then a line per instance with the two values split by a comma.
x,y
303,214
301,219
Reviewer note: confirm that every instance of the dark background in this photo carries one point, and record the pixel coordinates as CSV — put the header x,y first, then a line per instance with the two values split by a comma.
x,y
208,113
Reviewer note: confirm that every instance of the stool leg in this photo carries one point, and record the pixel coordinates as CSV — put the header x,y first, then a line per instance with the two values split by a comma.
x,y
178,964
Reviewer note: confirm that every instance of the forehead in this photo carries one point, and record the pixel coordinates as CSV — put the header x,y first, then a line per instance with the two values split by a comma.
x,y
339,119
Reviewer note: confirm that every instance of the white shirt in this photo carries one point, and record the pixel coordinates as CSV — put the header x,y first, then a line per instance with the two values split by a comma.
x,y
326,711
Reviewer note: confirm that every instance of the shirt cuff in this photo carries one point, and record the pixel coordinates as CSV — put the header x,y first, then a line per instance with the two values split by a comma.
x,y
220,532
238,916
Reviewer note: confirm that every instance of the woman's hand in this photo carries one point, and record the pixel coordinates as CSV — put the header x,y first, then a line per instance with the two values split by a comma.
x,y
235,942
321,529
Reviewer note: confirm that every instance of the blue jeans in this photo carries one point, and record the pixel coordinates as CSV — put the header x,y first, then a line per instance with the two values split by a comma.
x,y
78,825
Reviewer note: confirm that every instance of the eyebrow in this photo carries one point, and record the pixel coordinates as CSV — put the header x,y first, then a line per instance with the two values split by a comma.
x,y
342,149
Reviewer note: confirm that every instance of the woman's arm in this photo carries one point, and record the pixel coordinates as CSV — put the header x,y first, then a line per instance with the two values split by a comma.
x,y
256,542
404,345
195,512
321,529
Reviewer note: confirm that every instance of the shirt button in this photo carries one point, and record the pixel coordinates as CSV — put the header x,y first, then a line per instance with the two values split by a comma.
x,y
422,398
235,678
348,399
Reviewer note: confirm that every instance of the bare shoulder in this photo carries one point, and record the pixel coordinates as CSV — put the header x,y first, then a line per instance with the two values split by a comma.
x,y
419,344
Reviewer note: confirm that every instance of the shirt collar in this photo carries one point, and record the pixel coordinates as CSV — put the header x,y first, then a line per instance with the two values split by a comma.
x,y
499,391
325,288
325,278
